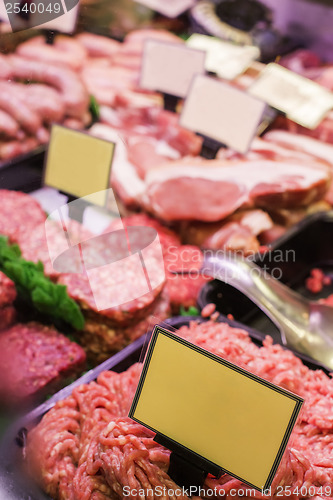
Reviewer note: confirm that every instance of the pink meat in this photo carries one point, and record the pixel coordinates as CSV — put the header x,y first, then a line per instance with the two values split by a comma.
x,y
324,131
9,127
14,104
229,186
134,41
66,81
6,71
11,149
233,236
301,144
98,46
64,51
300,60
44,100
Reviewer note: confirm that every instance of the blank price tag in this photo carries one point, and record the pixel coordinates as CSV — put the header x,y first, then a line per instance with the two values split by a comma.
x,y
169,8
220,412
78,164
303,101
225,59
221,112
170,67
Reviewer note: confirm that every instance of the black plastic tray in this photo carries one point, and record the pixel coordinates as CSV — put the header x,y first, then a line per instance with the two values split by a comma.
x,y
305,246
23,173
14,483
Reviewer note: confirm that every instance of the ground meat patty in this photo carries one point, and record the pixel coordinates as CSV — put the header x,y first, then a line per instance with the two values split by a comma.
x,y
116,286
168,238
35,358
7,290
101,340
34,246
19,213
7,316
87,448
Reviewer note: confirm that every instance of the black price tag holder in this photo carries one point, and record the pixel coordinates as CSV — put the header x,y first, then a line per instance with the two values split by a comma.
x,y
210,147
50,36
170,102
186,468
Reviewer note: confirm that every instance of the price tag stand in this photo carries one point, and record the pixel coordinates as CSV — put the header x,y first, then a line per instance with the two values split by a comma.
x,y
76,210
210,147
170,102
186,468
50,36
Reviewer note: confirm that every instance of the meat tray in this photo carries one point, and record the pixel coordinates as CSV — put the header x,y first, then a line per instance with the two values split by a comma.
x,y
307,245
14,483
23,173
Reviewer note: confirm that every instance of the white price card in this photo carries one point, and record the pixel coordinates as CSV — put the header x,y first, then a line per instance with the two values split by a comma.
x,y
221,112
169,8
302,100
225,59
170,67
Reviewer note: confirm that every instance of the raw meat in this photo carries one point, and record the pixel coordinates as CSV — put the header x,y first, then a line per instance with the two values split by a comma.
x,y
7,291
124,177
115,283
6,71
100,340
35,358
301,143
11,149
19,213
300,60
167,237
134,41
229,186
64,51
317,280
102,451
98,46
35,247
324,131
12,103
8,125
184,287
7,316
66,81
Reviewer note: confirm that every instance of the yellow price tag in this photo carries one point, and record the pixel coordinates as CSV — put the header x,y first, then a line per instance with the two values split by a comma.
x,y
79,164
215,409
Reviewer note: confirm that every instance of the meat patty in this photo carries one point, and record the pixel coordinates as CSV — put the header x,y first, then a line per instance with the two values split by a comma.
x,y
7,291
19,213
35,247
101,340
34,359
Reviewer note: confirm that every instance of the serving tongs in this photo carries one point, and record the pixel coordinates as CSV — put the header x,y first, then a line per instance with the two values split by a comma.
x,y
306,326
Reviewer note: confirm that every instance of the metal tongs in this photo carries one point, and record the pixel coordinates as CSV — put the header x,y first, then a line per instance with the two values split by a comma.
x,y
305,325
